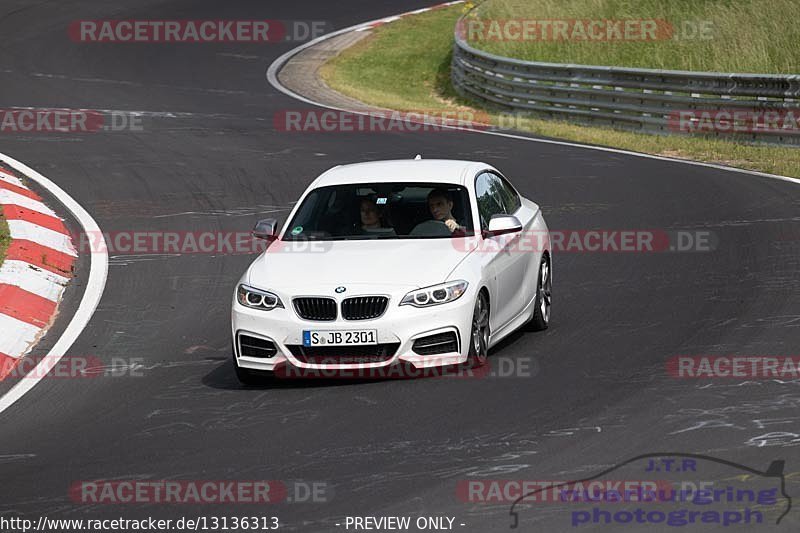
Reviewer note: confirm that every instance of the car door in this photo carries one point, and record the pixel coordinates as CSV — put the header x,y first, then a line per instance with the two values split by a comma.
x,y
523,269
500,260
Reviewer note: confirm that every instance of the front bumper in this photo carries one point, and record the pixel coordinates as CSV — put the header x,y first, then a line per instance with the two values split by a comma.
x,y
399,324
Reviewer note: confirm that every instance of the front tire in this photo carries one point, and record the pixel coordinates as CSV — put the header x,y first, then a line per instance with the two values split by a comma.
x,y
544,288
479,332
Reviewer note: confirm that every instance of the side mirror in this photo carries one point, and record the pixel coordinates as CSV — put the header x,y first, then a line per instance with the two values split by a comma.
x,y
266,229
502,224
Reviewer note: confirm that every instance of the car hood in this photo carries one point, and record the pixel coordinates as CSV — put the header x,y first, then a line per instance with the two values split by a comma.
x,y
401,263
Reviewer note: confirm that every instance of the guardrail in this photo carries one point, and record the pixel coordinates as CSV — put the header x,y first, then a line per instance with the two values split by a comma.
x,y
649,100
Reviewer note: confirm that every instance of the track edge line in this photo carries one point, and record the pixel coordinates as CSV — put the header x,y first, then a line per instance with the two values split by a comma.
x,y
95,286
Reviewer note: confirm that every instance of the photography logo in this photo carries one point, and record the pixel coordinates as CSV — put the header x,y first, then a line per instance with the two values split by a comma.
x,y
685,491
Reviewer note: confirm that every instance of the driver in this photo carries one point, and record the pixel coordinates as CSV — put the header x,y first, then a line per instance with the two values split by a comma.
x,y
440,204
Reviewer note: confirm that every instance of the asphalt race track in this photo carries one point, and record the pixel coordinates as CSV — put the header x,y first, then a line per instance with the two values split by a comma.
x,y
209,159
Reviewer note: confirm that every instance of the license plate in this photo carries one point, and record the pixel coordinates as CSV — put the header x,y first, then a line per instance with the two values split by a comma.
x,y
351,337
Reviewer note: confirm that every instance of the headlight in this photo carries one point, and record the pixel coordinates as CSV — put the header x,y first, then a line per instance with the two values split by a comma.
x,y
257,299
436,294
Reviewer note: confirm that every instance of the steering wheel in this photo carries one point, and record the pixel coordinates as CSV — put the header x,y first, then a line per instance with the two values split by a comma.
x,y
431,228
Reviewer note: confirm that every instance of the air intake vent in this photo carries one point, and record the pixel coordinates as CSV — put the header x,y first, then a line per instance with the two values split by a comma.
x,y
255,347
364,307
322,309
342,355
435,344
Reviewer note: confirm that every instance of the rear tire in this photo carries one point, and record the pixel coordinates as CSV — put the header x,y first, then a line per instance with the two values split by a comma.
x,y
479,333
544,287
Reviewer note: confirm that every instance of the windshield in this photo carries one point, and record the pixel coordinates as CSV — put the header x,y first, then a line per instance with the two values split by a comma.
x,y
382,211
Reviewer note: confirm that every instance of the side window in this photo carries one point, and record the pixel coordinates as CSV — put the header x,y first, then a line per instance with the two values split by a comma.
x,y
487,193
305,215
509,196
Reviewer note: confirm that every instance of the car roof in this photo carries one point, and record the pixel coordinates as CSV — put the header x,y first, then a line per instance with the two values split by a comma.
x,y
415,170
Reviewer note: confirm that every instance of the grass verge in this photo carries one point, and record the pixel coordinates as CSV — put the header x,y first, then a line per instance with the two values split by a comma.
x,y
405,66
5,236
710,35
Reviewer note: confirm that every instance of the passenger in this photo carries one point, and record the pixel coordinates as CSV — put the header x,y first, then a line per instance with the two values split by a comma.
x,y
374,217
370,214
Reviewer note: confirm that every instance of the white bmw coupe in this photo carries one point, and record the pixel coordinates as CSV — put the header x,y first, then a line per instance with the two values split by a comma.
x,y
411,262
